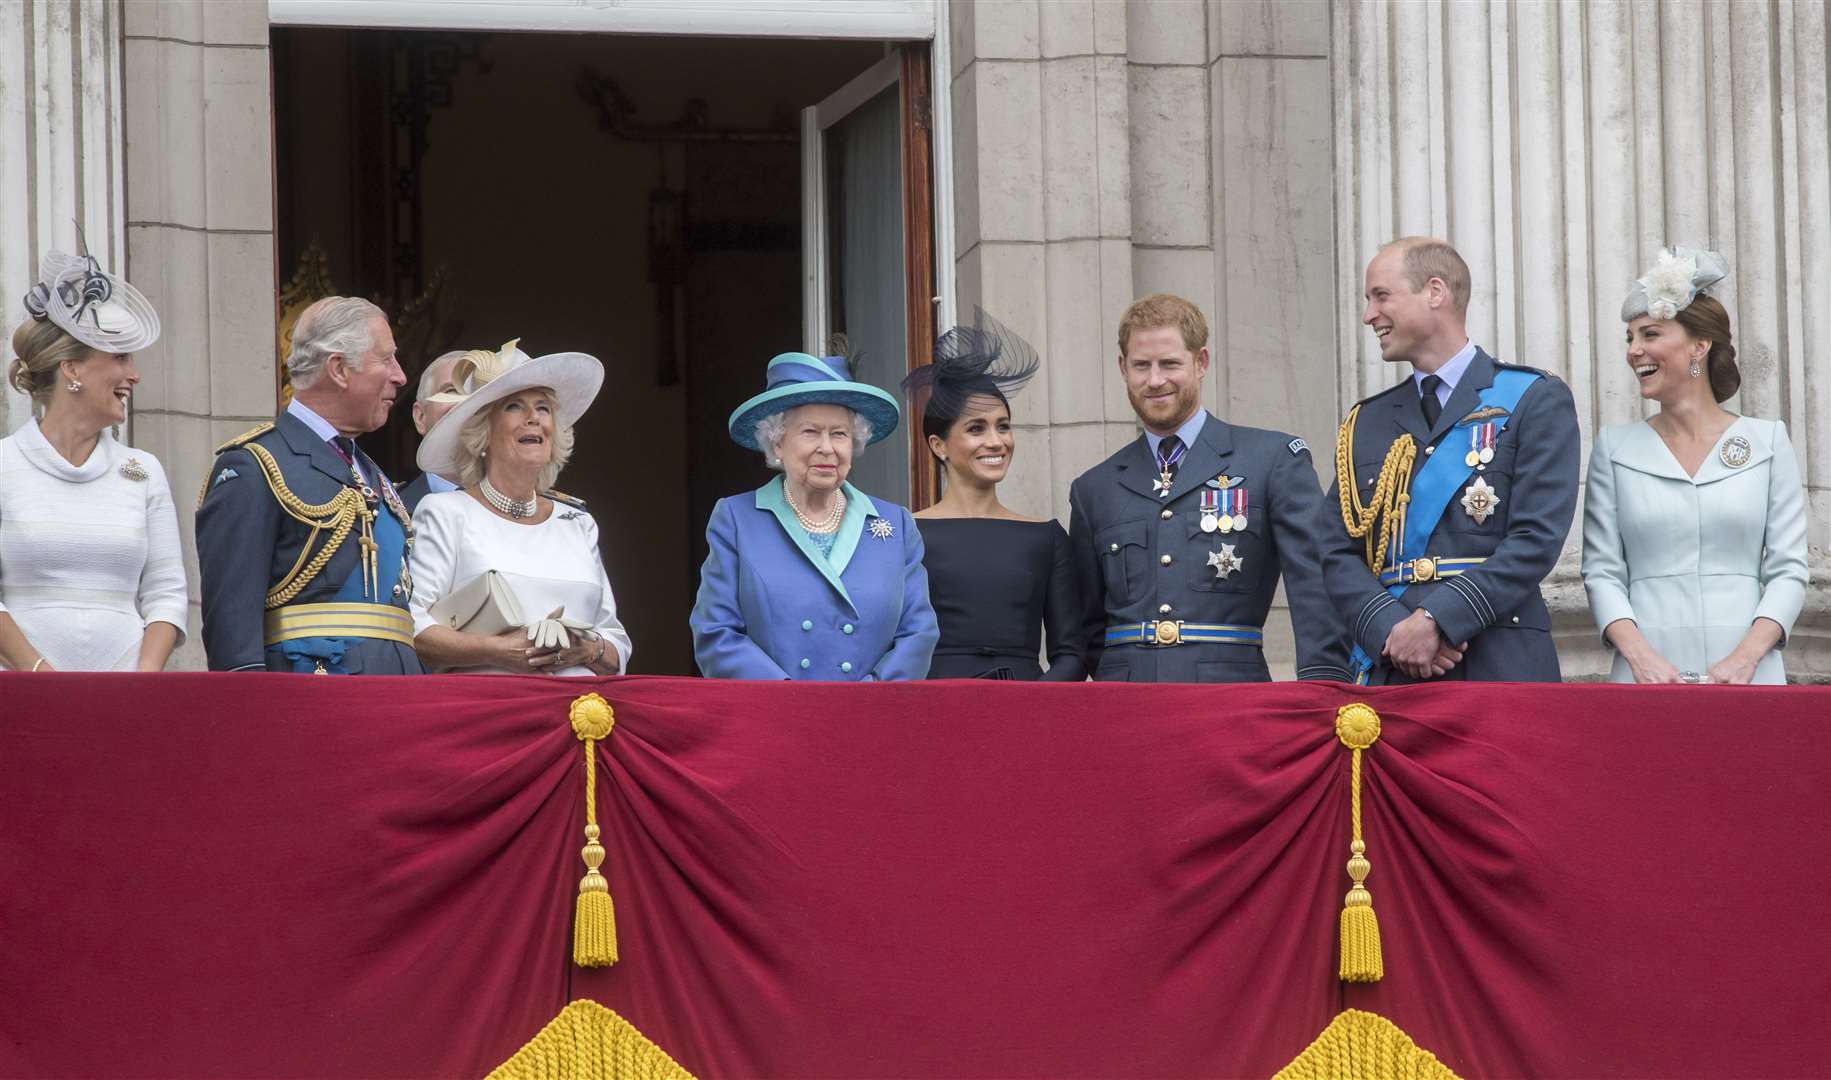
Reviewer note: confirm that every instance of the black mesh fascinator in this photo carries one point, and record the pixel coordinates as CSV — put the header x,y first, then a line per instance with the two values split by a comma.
x,y
984,359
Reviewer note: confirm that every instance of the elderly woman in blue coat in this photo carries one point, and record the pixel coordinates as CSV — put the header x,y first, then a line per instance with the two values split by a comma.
x,y
808,577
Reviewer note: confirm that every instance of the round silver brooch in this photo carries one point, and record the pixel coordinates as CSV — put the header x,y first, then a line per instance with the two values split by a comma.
x,y
1736,452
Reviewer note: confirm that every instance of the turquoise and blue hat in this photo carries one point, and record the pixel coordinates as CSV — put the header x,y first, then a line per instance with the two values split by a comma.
x,y
797,379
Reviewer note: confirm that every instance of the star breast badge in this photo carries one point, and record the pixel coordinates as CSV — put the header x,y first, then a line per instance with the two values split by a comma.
x,y
1480,501
881,529
1225,562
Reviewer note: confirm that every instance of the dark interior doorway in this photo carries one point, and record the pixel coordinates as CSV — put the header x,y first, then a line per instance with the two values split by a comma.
x,y
637,198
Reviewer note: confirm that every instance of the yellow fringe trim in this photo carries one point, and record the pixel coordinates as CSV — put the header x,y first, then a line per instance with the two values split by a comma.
x,y
1364,1046
594,919
1358,728
1391,495
588,1040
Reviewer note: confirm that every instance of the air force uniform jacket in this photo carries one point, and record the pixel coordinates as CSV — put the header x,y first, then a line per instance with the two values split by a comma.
x,y
1497,538
1172,601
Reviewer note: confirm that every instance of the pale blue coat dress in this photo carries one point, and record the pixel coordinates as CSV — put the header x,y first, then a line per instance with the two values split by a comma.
x,y
773,605
1695,560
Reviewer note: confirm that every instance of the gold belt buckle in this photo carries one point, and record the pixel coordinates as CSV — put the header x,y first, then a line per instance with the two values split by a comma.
x,y
1168,633
1424,569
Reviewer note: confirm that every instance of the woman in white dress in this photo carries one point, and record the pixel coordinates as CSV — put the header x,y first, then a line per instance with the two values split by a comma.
x,y
91,574
504,442
1694,527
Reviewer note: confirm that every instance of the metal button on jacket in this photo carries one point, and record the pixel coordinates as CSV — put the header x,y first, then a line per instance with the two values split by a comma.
x,y
1163,609
806,663
1167,514
847,628
1164,559
1115,547
807,624
846,667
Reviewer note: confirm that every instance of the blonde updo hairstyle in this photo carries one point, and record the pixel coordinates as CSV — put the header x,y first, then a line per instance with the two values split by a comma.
x,y
40,349
474,441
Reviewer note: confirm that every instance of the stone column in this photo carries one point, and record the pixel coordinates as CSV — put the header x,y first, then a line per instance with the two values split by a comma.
x,y
200,242
60,150
1559,147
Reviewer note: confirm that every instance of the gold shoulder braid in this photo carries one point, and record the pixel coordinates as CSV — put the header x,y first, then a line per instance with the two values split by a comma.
x,y
338,515
252,433
1391,493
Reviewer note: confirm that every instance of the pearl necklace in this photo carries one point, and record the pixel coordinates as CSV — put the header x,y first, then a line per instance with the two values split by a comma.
x,y
829,524
515,508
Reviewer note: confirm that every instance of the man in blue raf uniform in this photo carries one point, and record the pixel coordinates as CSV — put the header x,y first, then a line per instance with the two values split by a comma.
x,y
1180,537
1454,490
428,408
302,541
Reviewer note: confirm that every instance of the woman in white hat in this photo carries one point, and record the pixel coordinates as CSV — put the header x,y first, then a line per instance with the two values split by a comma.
x,y
504,442
91,574
1694,525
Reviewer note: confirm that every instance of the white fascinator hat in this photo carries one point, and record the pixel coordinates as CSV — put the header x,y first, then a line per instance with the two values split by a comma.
x,y
1673,281
93,306
484,378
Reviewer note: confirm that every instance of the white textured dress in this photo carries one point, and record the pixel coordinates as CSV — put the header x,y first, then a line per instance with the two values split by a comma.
x,y
1695,560
89,555
549,565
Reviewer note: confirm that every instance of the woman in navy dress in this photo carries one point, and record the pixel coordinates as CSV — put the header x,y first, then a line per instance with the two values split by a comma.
x,y
1000,583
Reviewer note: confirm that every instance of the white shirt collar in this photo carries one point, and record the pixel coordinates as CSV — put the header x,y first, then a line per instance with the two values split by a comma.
x,y
1187,433
319,425
1450,372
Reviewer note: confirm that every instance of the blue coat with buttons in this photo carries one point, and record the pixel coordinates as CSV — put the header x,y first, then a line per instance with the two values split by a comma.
x,y
771,606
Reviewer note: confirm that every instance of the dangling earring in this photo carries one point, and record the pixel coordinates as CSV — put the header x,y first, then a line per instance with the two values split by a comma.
x,y
74,385
1696,368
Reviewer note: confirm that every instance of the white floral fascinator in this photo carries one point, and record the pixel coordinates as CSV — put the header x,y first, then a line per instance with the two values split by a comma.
x,y
1674,280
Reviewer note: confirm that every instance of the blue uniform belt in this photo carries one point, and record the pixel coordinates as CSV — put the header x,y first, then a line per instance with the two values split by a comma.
x,y
345,619
1428,568
1166,632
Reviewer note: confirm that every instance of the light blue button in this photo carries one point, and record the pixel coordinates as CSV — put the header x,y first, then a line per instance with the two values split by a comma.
x,y
847,628
807,624
806,663
847,666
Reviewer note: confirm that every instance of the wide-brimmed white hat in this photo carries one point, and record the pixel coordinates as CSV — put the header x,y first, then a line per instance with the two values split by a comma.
x,y
484,377
93,306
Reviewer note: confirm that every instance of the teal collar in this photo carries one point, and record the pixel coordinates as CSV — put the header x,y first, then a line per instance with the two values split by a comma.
x,y
773,498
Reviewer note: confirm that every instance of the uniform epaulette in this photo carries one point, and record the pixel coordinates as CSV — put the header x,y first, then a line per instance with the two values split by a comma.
x,y
1525,367
247,436
569,500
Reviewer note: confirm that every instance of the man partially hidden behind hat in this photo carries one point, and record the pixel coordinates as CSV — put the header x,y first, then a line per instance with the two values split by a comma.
x,y
437,393
302,540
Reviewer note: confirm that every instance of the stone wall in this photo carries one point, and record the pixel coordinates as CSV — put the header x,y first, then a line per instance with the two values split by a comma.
x,y
199,171
60,150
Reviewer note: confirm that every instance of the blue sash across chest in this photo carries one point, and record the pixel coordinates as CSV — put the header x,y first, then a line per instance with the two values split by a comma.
x,y
1441,477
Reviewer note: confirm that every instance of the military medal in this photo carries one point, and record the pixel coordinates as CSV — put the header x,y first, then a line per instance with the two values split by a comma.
x,y
1166,470
1481,445
1225,562
1736,452
1480,501
1211,504
1225,521
1239,509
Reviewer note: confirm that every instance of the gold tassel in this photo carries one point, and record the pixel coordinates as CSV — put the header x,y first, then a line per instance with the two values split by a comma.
x,y
1358,728
594,920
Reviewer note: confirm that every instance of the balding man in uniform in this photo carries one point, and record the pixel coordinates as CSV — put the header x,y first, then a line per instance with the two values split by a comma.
x,y
302,541
434,397
1454,490
1181,537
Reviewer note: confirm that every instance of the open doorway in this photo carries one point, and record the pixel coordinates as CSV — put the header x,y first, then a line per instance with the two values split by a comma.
x,y
639,198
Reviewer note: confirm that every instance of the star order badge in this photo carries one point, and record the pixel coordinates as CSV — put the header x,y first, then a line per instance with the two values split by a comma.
x,y
1480,501
881,529
1225,562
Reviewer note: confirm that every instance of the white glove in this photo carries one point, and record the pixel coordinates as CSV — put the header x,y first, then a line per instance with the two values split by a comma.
x,y
552,632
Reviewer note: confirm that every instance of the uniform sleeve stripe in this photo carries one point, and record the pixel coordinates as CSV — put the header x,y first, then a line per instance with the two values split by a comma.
x,y
1370,609
1472,597
1477,595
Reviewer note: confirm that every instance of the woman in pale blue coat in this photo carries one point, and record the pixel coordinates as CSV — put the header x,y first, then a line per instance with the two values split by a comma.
x,y
1694,527
808,577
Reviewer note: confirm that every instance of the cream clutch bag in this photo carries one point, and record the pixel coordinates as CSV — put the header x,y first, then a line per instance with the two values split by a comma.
x,y
483,605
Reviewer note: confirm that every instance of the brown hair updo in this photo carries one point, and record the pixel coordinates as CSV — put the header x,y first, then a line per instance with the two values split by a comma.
x,y
1706,320
40,347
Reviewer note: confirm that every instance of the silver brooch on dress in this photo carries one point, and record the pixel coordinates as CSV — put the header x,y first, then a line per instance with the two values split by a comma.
x,y
133,470
881,529
1736,452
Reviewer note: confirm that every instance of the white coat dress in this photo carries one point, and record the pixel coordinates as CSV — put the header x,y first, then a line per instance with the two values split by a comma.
x,y
1695,560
